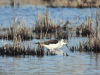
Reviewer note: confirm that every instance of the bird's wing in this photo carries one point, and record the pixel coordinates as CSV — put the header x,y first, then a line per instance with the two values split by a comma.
x,y
50,42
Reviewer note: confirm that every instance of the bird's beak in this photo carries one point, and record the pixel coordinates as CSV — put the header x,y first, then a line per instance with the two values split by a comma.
x,y
67,46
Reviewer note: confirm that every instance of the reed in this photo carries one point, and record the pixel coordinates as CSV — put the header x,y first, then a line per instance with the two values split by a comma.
x,y
47,25
19,30
92,44
87,29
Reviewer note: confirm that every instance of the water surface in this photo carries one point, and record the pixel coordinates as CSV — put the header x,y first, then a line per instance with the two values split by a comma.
x,y
77,63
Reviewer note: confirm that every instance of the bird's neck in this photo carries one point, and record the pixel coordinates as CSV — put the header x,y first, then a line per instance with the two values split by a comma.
x,y
60,44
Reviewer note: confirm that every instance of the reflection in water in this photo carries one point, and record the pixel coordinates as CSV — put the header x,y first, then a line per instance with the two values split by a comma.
x,y
75,63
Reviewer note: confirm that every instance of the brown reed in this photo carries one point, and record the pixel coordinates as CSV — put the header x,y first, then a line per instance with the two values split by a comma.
x,y
87,29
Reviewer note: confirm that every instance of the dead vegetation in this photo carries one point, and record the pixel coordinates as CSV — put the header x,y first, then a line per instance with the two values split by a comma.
x,y
93,38
44,24
18,33
87,29
19,48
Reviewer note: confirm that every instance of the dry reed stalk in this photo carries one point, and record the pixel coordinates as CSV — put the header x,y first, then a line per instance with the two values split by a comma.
x,y
83,43
87,22
46,19
38,19
28,45
87,37
7,35
9,31
94,38
13,34
35,13
17,47
19,38
90,41
2,41
20,42
80,44
91,44
98,36
45,22
30,36
49,18
30,31
14,11
77,46
41,32
56,34
96,24
91,24
46,33
56,21
23,44
96,43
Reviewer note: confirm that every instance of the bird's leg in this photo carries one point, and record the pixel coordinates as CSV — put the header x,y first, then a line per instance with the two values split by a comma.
x,y
48,50
51,50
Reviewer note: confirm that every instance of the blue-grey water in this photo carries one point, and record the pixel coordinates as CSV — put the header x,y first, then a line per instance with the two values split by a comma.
x,y
77,63
28,13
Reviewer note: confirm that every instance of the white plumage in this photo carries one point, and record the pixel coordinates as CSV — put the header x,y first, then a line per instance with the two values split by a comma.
x,y
53,44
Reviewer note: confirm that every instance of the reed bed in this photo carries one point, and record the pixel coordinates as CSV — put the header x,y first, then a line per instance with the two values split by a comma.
x,y
87,28
20,31
23,50
92,44
45,24
93,37
20,48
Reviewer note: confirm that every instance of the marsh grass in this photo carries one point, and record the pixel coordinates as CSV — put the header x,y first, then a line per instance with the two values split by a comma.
x,y
18,33
44,23
93,37
87,29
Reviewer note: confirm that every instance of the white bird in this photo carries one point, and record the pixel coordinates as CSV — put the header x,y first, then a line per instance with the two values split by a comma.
x,y
53,44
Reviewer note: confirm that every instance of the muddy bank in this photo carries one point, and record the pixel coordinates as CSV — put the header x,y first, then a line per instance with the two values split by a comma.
x,y
73,3
55,3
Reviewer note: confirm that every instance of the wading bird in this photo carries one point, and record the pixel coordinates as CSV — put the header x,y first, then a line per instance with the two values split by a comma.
x,y
53,44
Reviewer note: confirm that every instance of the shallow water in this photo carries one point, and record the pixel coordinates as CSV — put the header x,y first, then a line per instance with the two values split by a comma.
x,y
77,63
74,64
28,13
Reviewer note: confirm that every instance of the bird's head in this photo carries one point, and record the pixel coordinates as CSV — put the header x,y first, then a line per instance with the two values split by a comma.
x,y
63,41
